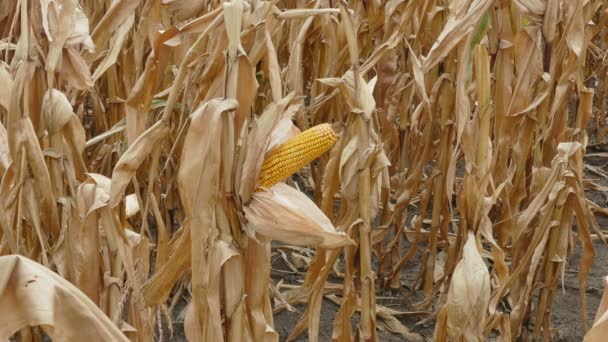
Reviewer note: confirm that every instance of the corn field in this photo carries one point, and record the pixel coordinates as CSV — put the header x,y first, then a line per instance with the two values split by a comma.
x,y
157,156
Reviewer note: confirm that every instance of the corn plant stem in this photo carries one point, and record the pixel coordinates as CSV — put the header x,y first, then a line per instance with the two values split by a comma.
x,y
182,71
25,30
11,30
116,271
162,235
417,227
298,82
18,221
549,267
181,76
366,276
234,273
154,156
435,221
324,263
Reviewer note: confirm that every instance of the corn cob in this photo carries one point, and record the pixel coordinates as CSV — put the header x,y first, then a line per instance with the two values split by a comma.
x,y
295,153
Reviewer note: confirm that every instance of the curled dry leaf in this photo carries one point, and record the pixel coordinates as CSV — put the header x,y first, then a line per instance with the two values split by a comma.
x,y
360,100
74,70
286,214
7,84
284,129
80,31
133,157
534,9
116,44
198,182
456,28
184,9
77,32
599,330
131,205
39,296
5,158
118,12
258,142
56,110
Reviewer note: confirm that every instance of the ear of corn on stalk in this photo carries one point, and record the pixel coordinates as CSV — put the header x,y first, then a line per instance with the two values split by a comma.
x,y
295,153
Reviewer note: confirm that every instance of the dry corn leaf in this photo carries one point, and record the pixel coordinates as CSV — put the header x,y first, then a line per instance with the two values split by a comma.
x,y
116,43
258,141
284,129
39,296
118,12
158,288
600,326
80,31
75,70
459,24
56,110
199,184
533,8
7,81
5,158
133,157
88,279
184,9
131,205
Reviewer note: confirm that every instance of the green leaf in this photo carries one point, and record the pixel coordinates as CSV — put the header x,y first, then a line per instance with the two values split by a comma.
x,y
480,31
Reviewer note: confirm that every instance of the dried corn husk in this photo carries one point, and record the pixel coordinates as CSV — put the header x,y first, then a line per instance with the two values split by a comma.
x,y
468,296
286,214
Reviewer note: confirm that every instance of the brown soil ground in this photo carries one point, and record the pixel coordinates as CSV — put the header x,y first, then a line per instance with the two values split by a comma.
x,y
566,312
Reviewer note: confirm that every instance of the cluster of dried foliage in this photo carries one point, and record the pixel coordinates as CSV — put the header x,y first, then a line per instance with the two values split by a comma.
x,y
132,134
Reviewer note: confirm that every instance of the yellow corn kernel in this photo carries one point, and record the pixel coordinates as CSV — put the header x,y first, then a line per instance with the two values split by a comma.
x,y
295,153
